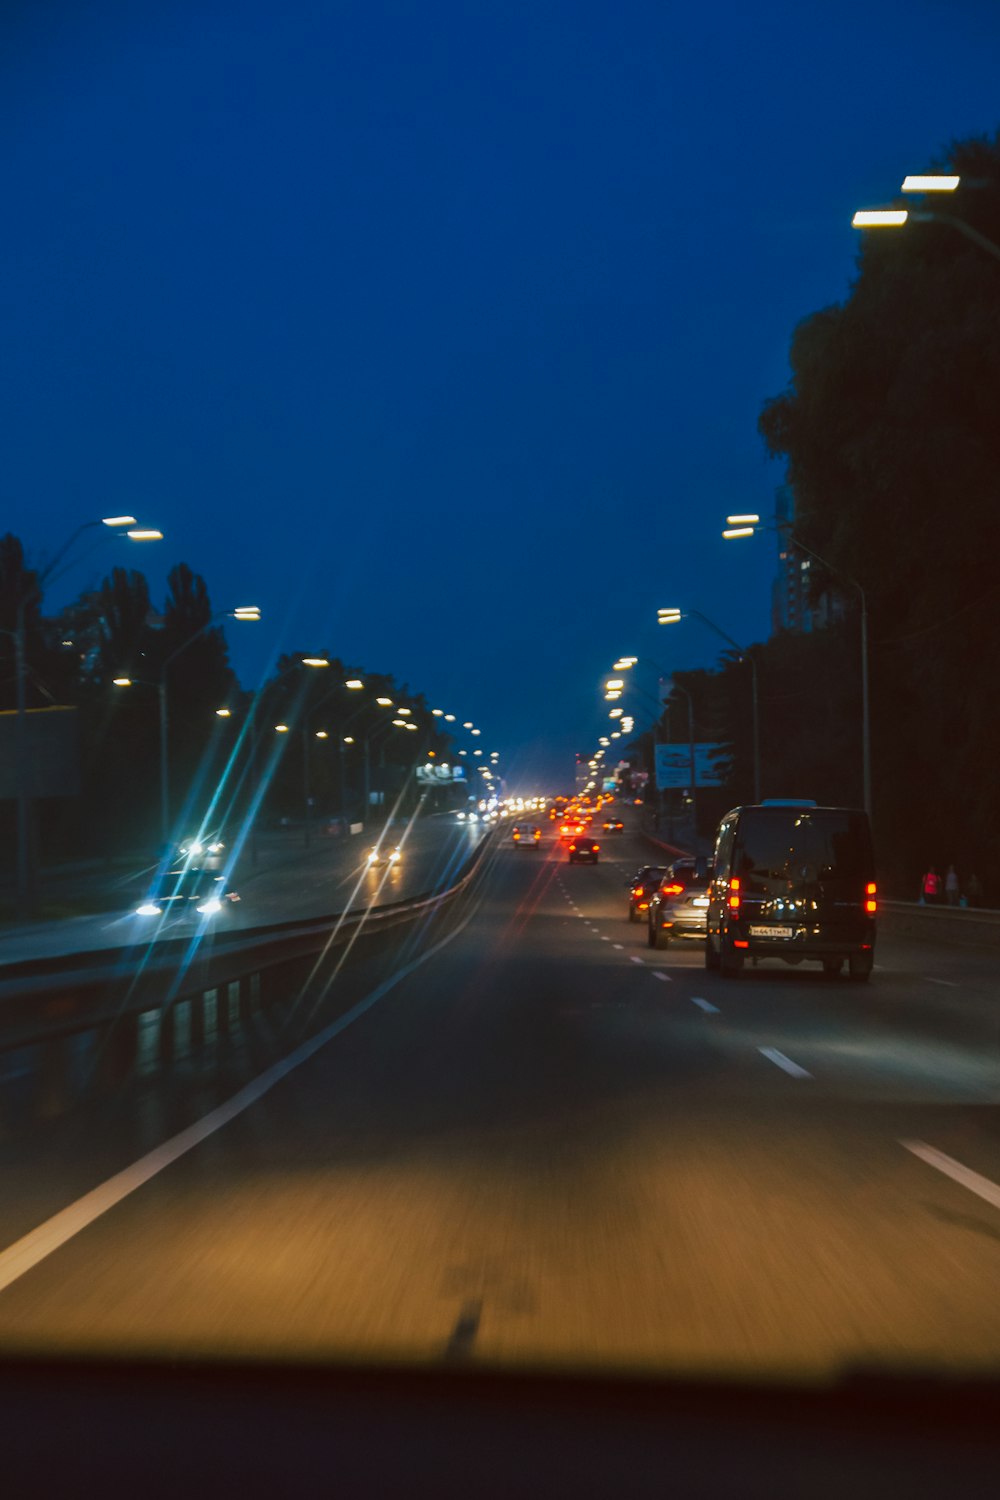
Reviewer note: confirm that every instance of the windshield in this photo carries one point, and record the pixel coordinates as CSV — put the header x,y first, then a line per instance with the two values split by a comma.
x,y
823,845
463,466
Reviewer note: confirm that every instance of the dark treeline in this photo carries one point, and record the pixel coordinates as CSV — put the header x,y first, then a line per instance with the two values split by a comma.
x,y
219,765
890,431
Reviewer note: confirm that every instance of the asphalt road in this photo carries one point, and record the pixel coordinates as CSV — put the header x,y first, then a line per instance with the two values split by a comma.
x,y
544,1144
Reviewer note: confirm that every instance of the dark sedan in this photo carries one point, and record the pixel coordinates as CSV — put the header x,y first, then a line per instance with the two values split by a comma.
x,y
583,851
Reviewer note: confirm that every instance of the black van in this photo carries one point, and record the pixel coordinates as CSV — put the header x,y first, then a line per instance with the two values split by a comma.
x,y
793,881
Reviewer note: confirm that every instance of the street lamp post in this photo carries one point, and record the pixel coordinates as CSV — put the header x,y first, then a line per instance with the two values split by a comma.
x,y
625,664
117,525
242,612
671,617
747,526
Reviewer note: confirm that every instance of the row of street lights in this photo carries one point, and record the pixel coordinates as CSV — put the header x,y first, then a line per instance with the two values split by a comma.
x,y
738,526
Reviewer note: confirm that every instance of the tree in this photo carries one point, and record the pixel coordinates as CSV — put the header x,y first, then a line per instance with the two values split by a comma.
x,y
890,433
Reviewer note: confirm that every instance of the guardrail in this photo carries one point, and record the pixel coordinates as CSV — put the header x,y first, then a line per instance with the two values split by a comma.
x,y
48,1000
970,926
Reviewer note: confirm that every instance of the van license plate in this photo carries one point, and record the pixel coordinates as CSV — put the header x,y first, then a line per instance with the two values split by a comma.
x,y
771,932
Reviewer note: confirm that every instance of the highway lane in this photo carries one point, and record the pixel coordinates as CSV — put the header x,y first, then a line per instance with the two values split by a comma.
x,y
548,1143
330,877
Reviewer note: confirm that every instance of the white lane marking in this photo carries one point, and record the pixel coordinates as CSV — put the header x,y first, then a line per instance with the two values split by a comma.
x,y
949,982
705,1005
659,974
636,960
26,1253
981,1186
781,1061
605,940
620,947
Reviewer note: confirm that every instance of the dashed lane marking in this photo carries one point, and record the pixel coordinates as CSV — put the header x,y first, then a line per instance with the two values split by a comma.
x,y
659,974
636,960
785,1063
620,947
965,1176
705,1005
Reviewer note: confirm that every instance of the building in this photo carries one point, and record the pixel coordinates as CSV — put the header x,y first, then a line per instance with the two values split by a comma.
x,y
792,604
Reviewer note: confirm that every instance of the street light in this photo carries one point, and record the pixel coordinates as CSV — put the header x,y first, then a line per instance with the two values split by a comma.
x,y
672,617
784,530
241,612
896,218
115,524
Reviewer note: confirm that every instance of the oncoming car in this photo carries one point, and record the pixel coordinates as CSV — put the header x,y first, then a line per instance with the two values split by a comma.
x,y
380,857
187,893
583,851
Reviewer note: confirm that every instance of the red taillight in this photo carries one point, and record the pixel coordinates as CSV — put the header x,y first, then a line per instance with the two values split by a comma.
x,y
871,892
740,943
572,848
672,890
640,890
734,893
596,847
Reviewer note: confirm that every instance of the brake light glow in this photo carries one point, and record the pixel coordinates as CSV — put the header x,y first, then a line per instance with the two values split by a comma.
x,y
674,889
734,893
572,848
871,903
596,847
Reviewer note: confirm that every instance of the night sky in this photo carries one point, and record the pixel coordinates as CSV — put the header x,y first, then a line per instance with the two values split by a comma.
x,y
440,330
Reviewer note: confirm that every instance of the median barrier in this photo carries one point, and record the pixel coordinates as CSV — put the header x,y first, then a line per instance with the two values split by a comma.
x,y
47,1002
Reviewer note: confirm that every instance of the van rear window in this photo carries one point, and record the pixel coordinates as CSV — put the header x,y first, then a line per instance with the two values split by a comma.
x,y
804,843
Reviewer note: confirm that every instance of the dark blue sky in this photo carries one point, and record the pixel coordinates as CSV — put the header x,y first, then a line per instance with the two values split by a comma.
x,y
440,330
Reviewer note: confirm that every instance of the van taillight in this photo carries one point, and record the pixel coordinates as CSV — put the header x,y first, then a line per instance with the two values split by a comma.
x,y
871,892
734,893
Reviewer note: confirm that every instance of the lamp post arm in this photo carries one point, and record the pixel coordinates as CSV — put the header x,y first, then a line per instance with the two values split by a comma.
x,y
924,216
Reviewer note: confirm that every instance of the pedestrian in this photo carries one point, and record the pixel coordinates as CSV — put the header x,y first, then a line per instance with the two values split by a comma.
x,y
974,891
951,886
930,887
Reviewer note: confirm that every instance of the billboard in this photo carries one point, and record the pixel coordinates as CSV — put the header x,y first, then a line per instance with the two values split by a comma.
x,y
673,765
440,773
51,757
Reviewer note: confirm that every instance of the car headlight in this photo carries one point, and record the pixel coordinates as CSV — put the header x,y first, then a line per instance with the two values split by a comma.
x,y
147,909
210,907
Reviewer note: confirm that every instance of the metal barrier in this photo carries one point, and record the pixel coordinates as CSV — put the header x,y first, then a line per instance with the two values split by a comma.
x,y
45,999
970,927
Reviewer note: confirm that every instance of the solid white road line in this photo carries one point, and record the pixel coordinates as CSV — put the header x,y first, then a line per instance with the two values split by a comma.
x,y
781,1061
26,1253
705,1005
950,983
659,974
981,1186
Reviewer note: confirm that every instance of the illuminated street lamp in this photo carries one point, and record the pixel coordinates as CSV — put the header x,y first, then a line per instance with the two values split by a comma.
x,y
784,530
121,525
672,617
354,683
933,182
